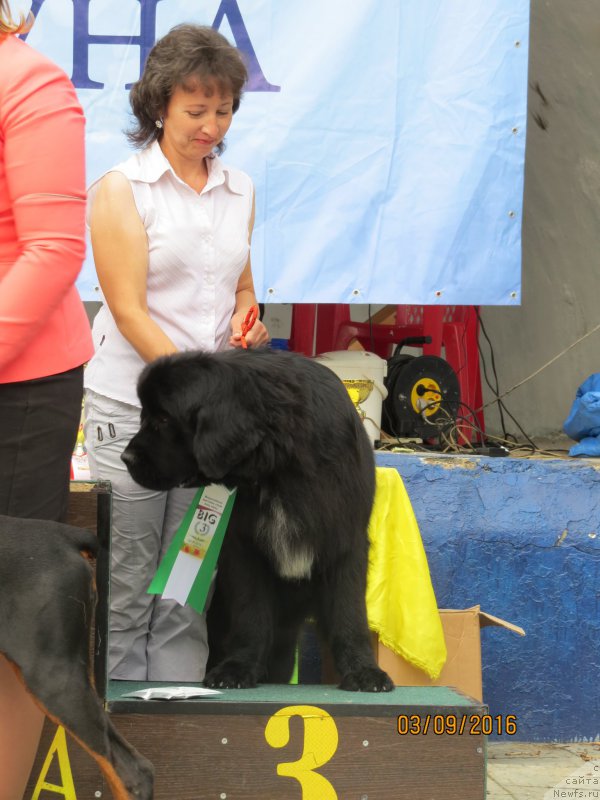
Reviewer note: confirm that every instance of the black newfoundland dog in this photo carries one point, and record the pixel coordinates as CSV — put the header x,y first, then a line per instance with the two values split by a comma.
x,y
282,429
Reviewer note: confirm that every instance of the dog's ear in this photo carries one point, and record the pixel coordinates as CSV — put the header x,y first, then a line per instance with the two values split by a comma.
x,y
159,385
227,436
247,411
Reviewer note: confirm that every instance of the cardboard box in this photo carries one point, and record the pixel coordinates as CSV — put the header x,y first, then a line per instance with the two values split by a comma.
x,y
462,670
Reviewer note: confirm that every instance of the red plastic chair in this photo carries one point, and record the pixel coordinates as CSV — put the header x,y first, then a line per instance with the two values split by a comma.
x,y
454,332
302,333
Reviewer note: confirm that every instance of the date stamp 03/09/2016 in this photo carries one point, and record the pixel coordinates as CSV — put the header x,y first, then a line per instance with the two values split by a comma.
x,y
451,724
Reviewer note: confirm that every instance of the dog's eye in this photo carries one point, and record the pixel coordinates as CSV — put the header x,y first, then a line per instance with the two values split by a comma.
x,y
158,422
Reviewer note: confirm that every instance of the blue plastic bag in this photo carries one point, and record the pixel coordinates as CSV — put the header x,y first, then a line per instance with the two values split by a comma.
x,y
583,422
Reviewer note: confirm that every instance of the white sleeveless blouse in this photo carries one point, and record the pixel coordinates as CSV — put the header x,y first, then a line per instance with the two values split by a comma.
x,y
198,247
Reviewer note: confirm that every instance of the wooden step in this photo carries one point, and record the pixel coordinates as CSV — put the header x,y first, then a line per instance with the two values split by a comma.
x,y
288,742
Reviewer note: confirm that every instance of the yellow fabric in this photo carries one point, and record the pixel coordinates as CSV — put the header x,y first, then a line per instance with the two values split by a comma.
x,y
401,604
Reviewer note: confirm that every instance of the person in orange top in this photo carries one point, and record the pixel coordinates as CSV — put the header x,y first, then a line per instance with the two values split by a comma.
x,y
45,336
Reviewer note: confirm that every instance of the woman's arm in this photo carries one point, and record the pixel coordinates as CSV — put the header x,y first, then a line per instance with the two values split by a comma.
x,y
42,128
120,250
245,297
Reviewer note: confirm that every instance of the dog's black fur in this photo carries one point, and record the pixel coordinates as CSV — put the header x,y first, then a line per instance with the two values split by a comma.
x,y
282,429
47,601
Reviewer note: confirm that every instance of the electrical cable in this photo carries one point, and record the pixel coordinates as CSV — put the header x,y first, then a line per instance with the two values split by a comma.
x,y
508,440
543,367
371,337
496,390
502,408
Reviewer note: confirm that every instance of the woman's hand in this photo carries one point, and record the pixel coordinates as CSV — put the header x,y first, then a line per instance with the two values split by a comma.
x,y
256,336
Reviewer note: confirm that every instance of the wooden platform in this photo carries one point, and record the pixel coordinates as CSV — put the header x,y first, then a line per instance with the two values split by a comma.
x,y
288,742
306,742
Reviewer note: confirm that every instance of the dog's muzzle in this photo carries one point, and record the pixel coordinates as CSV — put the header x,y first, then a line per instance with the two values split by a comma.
x,y
128,458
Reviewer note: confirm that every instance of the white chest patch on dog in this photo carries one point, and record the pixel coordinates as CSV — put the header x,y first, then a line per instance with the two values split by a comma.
x,y
279,535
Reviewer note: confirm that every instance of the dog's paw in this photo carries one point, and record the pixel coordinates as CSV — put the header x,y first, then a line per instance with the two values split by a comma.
x,y
367,679
230,675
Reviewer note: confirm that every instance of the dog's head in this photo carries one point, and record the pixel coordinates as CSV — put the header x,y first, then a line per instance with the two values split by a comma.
x,y
228,418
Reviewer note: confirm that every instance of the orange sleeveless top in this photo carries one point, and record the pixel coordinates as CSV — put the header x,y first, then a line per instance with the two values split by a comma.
x,y
43,326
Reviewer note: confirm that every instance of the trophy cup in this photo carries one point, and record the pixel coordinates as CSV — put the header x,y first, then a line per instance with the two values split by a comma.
x,y
359,391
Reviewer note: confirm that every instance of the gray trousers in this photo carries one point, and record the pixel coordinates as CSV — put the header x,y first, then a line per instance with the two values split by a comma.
x,y
149,638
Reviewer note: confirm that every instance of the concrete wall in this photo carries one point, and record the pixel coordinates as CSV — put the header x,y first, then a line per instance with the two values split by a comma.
x,y
561,225
521,539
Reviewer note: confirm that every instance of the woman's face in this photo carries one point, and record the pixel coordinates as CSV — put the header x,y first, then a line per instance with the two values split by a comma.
x,y
196,120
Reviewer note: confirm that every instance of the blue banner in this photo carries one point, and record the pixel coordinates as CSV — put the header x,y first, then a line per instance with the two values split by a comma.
x,y
385,138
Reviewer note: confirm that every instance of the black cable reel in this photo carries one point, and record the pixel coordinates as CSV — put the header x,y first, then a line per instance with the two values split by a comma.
x,y
423,394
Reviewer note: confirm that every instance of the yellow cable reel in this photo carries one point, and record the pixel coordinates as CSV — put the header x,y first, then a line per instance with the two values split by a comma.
x,y
425,396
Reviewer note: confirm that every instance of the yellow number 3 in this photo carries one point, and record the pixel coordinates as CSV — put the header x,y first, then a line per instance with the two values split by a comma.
x,y
320,744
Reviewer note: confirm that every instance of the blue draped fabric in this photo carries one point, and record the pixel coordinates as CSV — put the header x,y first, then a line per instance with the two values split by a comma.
x,y
385,138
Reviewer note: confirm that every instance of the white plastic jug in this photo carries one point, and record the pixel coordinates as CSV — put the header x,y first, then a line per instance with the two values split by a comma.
x,y
362,374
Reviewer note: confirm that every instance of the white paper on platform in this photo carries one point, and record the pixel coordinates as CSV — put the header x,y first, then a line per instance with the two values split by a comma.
x,y
172,693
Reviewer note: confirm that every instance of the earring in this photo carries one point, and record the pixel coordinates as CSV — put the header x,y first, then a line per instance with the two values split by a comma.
x,y
158,123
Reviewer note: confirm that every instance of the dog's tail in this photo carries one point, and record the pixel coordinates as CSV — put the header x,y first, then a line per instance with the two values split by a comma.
x,y
81,538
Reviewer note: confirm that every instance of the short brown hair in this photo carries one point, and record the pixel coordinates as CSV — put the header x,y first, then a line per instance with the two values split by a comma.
x,y
186,52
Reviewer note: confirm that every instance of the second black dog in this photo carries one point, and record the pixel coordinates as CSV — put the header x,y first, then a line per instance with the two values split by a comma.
x,y
282,429
47,601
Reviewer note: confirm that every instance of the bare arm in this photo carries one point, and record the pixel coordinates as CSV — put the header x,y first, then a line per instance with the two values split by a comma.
x,y
42,128
245,297
120,250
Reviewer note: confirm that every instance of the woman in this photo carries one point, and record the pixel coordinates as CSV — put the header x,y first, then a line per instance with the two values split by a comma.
x,y
170,232
44,332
